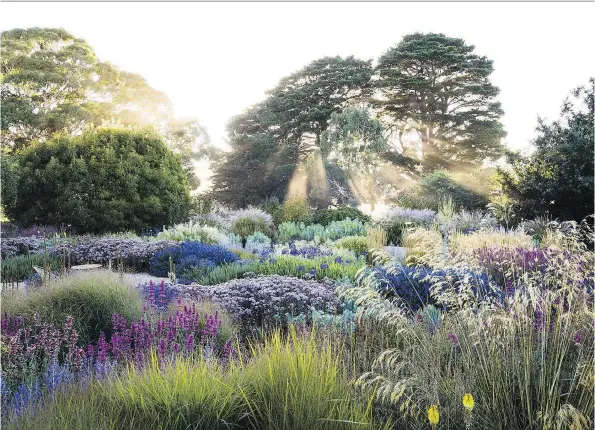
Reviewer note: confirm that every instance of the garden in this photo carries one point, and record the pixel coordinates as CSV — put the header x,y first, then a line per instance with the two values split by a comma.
x,y
323,280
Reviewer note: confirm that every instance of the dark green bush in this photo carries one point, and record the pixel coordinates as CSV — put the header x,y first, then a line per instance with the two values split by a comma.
x,y
105,180
326,216
91,299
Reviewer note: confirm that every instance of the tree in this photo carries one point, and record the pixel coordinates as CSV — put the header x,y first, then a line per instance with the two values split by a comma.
x,y
103,180
52,82
437,87
557,179
356,142
266,138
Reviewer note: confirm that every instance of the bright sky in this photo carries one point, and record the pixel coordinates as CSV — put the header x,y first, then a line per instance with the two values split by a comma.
x,y
215,59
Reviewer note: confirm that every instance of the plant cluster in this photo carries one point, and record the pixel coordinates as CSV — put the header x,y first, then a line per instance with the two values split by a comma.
x,y
188,257
255,301
326,216
134,253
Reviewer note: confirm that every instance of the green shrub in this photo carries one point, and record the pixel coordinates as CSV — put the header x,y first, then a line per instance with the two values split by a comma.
x,y
326,216
90,298
297,210
275,208
357,244
245,227
15,269
104,180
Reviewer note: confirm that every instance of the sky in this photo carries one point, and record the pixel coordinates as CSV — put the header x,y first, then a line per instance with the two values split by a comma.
x,y
214,60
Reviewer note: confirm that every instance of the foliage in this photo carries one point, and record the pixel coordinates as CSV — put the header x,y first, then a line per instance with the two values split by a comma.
x,y
396,221
285,265
527,365
333,231
326,216
198,392
134,253
258,243
52,82
432,188
90,299
255,301
245,227
557,179
296,209
37,357
356,143
107,180
357,244
265,138
17,268
437,86
193,231
188,256
412,288
22,245
320,395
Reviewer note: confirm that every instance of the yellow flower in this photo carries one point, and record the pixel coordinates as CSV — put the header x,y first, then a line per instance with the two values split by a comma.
x,y
468,402
433,415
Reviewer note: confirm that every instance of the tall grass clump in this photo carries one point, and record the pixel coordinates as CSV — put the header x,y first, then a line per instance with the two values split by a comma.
x,y
90,298
528,364
295,383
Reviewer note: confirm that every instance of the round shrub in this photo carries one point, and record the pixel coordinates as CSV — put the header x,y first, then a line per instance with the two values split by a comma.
x,y
104,180
189,255
326,216
297,210
258,301
90,298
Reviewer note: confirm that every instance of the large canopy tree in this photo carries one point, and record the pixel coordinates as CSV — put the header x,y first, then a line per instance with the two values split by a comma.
x,y
52,82
438,88
266,138
557,179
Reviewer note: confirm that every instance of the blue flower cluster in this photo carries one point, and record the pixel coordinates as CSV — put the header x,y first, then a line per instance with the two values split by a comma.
x,y
412,285
188,256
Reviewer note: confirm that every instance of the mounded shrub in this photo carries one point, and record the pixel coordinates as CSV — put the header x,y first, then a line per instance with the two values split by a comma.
x,y
104,180
90,298
256,301
326,216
